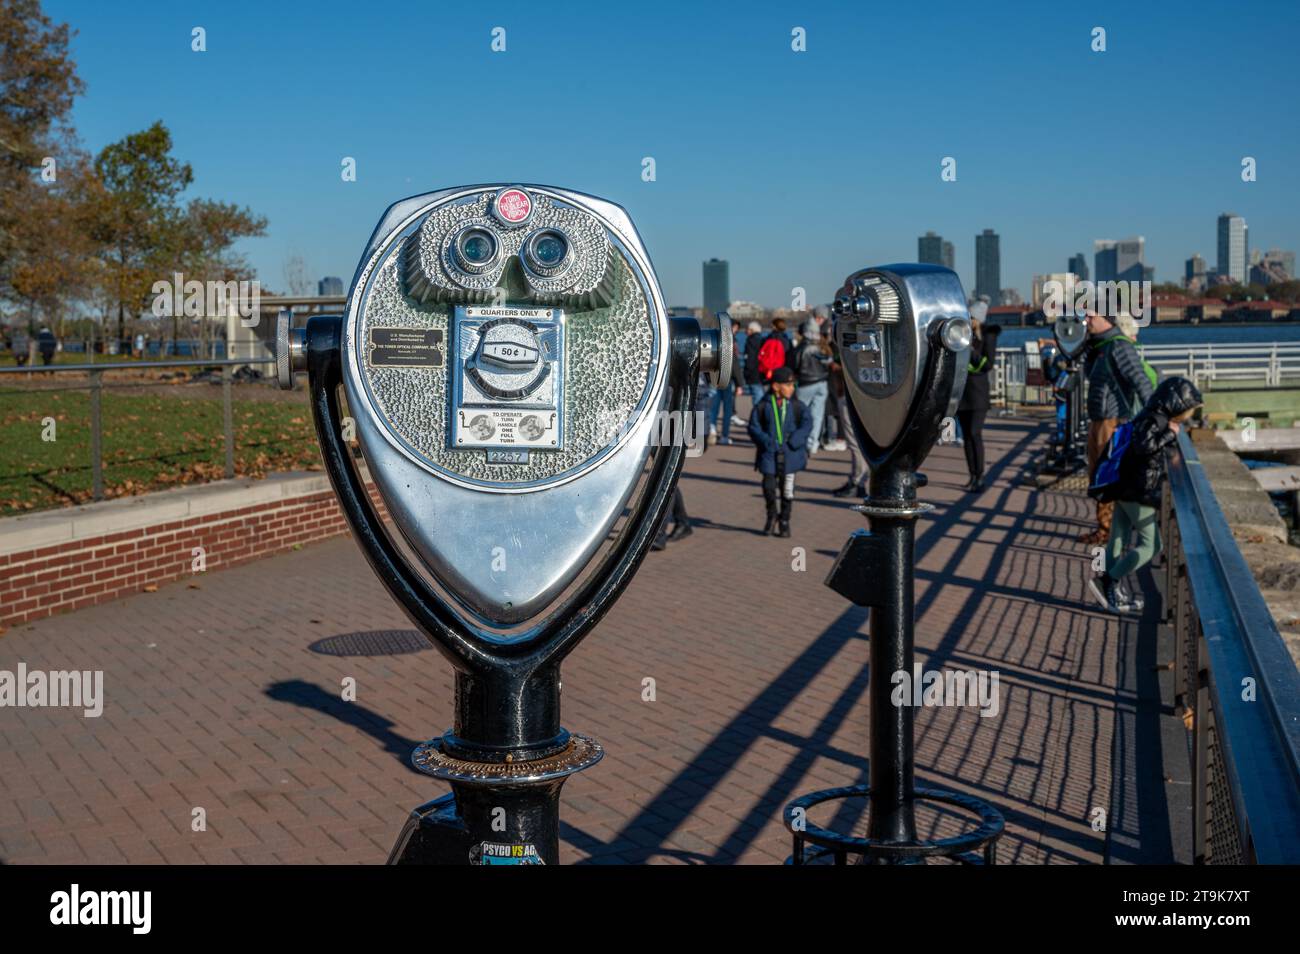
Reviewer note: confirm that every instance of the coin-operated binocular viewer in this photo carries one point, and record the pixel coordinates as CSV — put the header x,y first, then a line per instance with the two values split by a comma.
x,y
1066,451
904,338
516,388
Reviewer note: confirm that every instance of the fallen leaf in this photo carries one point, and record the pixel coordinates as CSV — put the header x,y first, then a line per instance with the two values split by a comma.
x,y
151,588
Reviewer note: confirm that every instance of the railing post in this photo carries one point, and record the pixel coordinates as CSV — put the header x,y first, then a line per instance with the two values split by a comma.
x,y
228,423
96,436
1200,751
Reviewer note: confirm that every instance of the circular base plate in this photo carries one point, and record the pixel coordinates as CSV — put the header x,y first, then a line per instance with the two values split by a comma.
x,y
581,752
989,830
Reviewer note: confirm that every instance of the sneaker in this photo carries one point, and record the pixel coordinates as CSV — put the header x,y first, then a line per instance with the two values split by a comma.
x,y
769,528
836,446
784,530
1126,596
1109,594
738,422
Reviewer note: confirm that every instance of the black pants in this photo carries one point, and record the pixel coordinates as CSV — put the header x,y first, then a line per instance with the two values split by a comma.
x,y
972,433
676,514
778,486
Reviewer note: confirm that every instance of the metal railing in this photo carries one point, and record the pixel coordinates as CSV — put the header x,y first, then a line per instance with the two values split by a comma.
x,y
1271,365
1235,680
96,388
1210,363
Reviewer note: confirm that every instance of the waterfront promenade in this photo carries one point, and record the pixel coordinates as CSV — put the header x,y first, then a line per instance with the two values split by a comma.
x,y
223,694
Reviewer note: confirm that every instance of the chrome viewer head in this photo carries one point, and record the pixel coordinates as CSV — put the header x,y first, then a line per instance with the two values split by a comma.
x,y
893,324
1071,333
505,358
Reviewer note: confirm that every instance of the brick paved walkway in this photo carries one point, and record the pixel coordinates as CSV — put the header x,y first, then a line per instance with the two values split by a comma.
x,y
217,700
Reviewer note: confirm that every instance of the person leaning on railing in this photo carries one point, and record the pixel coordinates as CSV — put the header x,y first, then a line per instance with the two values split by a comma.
x,y
1136,493
1118,387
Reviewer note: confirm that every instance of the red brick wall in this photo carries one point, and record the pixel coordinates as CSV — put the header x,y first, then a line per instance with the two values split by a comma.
x,y
79,573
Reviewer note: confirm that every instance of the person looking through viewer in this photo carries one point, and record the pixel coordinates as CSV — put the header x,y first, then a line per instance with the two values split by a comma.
x,y
1118,387
974,405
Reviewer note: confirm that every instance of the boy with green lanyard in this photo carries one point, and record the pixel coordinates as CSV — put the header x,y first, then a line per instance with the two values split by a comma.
x,y
779,426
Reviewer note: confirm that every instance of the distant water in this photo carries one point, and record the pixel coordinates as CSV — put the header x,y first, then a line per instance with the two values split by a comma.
x,y
1281,333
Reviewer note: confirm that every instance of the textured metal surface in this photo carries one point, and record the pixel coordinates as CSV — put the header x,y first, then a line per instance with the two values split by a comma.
x,y
1223,843
283,374
505,563
928,293
581,752
610,355
430,274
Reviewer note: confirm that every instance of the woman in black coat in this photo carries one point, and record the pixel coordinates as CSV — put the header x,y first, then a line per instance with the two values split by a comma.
x,y
974,404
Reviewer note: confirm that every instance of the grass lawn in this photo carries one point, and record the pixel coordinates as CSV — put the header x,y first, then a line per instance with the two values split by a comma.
x,y
149,443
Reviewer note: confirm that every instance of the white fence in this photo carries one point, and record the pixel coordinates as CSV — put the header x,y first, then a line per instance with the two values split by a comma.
x,y
1271,365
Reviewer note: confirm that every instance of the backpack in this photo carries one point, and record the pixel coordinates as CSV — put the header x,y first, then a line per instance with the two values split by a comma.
x,y
771,356
1105,478
1147,368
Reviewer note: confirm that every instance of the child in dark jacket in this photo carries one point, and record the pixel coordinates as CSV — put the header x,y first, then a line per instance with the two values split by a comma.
x,y
1136,493
779,426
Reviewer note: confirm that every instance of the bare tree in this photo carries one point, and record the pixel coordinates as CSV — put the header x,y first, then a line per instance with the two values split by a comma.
x,y
296,275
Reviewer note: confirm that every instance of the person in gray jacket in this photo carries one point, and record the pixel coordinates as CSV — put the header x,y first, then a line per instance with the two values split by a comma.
x,y
1118,388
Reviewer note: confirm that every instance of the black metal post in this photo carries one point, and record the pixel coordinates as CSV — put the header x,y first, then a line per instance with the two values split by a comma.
x,y
892,651
227,421
96,435
876,569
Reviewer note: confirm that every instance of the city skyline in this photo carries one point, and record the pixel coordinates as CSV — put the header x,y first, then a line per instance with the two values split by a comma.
x,y
756,207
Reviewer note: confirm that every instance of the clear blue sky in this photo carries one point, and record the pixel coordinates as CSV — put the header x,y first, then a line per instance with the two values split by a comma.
x,y
796,167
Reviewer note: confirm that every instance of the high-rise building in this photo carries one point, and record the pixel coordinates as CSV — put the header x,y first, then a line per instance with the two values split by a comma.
x,y
1129,263
1286,259
717,286
929,249
1059,286
1234,247
1103,259
1194,273
988,266
1272,266
329,287
1120,261
1078,266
